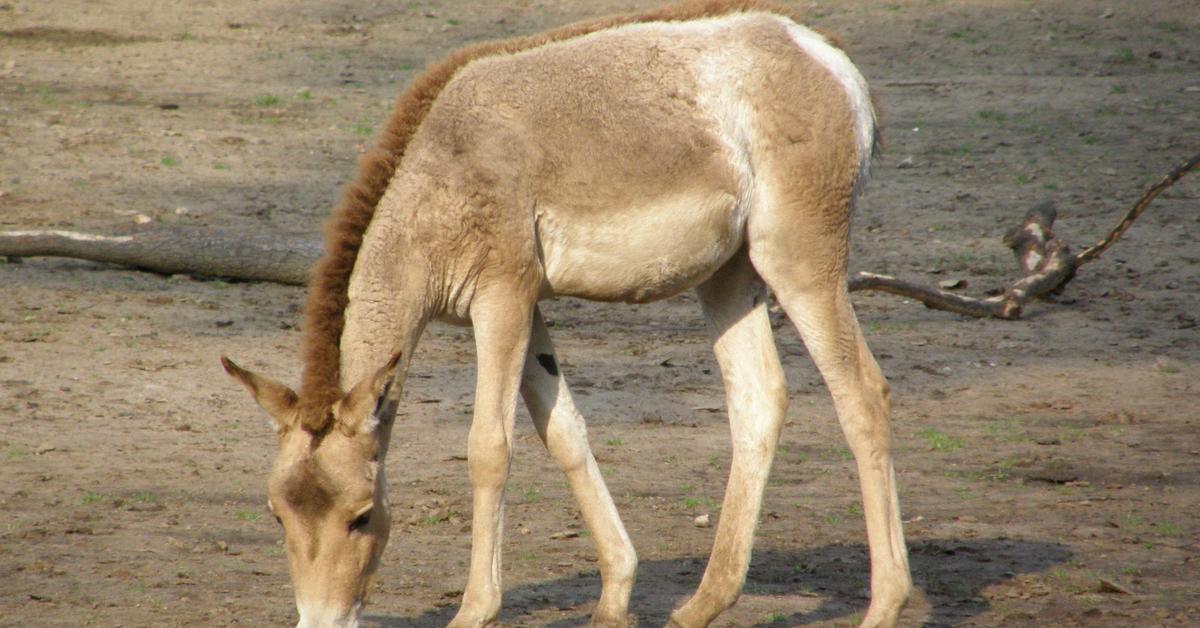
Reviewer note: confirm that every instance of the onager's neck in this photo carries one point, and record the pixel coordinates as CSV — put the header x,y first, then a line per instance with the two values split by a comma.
x,y
388,310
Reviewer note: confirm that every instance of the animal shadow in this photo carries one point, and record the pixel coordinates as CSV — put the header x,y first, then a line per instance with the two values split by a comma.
x,y
952,573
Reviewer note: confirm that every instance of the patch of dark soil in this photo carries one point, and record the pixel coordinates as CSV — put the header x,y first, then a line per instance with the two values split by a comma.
x,y
62,37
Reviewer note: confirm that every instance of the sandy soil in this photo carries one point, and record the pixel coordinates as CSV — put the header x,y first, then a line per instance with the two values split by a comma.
x,y
1037,460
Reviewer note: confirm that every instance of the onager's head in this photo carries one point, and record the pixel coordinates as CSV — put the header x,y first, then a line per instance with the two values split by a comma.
x,y
328,491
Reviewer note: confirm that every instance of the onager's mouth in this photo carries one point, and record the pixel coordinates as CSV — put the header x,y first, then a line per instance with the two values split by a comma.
x,y
327,618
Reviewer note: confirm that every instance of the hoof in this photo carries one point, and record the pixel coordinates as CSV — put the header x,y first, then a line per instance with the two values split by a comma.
x,y
621,621
460,621
677,621
882,616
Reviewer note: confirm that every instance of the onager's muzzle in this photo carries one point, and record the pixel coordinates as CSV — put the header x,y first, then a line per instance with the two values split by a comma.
x,y
333,565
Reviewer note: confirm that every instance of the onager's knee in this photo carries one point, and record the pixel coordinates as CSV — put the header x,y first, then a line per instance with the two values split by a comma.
x,y
757,431
567,442
865,415
488,457
876,385
622,564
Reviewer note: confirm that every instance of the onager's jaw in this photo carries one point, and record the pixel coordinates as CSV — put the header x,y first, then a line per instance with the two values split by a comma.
x,y
328,491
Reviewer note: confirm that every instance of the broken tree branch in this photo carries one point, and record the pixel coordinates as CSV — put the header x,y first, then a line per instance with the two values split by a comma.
x,y
933,298
1094,251
1045,259
278,257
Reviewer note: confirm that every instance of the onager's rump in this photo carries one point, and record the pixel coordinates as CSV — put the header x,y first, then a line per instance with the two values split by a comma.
x,y
627,164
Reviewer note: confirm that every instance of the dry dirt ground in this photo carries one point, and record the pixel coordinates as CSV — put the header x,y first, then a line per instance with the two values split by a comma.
x,y
1049,468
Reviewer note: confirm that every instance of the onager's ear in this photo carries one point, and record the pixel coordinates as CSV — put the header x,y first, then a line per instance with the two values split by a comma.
x,y
366,405
278,400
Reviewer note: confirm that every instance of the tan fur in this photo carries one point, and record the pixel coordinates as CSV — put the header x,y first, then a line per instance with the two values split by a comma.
x,y
327,295
710,145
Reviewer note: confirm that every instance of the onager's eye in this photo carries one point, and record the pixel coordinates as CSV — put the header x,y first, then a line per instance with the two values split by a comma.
x,y
361,521
277,519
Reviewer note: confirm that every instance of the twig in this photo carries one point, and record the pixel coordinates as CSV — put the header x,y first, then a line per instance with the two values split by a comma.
x,y
1094,251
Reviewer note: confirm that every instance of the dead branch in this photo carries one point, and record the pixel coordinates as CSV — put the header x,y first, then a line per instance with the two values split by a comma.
x,y
1045,259
933,298
1094,251
278,257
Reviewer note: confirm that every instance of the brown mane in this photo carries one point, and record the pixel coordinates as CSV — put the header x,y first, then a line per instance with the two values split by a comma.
x,y
324,309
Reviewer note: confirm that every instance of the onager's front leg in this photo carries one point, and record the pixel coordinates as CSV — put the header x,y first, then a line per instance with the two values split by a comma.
x,y
502,322
735,304
563,431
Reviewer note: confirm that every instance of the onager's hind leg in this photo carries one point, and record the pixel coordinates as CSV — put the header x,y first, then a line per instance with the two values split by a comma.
x,y
563,431
811,287
502,320
735,305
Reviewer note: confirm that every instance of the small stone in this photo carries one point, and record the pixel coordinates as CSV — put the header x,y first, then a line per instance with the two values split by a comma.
x,y
702,521
952,284
1120,417
1163,364
1108,586
142,219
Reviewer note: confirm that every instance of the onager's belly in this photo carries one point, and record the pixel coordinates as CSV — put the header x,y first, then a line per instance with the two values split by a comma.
x,y
639,254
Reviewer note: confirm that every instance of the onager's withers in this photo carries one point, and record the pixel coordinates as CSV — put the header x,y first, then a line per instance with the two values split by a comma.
x,y
715,146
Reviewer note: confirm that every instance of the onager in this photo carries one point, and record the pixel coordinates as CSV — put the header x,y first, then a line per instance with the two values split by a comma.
x,y
716,146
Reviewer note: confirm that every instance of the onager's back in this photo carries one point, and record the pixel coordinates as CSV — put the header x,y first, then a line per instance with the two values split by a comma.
x,y
629,164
